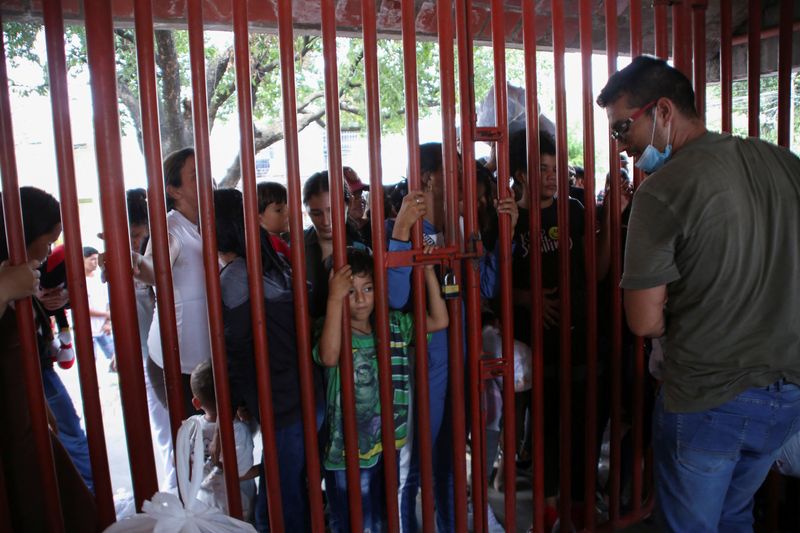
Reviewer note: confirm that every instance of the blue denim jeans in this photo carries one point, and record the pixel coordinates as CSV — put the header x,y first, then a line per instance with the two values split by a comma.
x,y
442,439
70,433
709,464
294,487
373,501
106,344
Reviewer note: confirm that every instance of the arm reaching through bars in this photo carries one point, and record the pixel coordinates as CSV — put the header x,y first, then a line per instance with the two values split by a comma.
x,y
437,317
330,343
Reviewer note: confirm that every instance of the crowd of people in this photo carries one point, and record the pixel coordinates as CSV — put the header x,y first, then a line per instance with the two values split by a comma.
x,y
704,234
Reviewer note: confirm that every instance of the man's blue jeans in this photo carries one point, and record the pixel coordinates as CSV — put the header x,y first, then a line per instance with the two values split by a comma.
x,y
709,464
294,485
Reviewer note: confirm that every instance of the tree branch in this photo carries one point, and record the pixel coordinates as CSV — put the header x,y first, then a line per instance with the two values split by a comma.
x,y
214,74
263,139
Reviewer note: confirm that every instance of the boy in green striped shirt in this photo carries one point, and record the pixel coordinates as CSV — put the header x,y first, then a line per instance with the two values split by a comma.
x,y
354,281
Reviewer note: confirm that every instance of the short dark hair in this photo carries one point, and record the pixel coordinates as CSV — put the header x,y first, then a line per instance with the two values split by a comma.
x,y
137,207
270,192
172,171
229,221
317,183
89,251
646,80
430,157
518,150
41,213
202,384
360,261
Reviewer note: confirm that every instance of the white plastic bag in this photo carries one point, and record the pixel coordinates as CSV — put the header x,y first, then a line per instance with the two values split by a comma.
x,y
788,461
515,112
523,360
165,513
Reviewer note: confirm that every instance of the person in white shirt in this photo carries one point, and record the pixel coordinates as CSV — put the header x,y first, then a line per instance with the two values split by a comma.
x,y
99,313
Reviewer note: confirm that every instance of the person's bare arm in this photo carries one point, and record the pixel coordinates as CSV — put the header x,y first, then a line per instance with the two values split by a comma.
x,y
644,310
143,267
330,343
438,317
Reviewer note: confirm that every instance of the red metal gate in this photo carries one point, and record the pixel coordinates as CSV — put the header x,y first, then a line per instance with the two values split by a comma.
x,y
456,35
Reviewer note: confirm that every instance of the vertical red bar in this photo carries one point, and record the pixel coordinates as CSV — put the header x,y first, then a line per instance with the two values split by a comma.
x,y
660,23
301,316
340,259
682,37
254,265
93,415
699,38
452,233
372,97
638,346
785,74
613,203
636,27
471,275
564,291
585,21
15,237
537,321
422,404
156,206
102,67
471,272
753,67
205,194
726,65
506,233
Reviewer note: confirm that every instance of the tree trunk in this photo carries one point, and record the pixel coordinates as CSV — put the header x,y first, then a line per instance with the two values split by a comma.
x,y
176,130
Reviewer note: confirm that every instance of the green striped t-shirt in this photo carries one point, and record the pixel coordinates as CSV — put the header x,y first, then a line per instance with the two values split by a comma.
x,y
367,392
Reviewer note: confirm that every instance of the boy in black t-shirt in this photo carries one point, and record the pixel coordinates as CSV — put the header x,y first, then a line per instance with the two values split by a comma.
x,y
549,231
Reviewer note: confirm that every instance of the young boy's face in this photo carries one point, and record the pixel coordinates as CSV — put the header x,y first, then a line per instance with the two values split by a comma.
x,y
275,218
362,297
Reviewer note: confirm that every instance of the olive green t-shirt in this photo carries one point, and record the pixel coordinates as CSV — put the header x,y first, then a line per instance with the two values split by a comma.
x,y
719,224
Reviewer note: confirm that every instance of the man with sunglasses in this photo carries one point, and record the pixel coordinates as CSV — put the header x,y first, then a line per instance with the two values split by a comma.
x,y
712,263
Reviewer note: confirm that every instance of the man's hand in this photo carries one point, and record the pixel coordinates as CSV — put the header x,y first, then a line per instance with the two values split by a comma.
x,y
340,284
412,209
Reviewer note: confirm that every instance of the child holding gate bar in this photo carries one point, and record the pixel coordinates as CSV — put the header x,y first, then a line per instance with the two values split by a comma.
x,y
354,281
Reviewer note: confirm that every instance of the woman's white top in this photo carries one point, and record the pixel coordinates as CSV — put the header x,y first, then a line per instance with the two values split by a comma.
x,y
189,288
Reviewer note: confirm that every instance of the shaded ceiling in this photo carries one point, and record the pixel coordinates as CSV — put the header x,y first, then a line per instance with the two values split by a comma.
x,y
262,13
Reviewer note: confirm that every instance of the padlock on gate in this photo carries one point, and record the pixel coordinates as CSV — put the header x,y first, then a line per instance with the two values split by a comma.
x,y
450,289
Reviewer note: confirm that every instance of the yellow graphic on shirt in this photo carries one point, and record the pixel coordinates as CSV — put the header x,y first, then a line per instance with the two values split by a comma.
x,y
553,233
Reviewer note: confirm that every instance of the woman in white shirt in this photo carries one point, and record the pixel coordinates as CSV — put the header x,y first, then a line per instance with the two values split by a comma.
x,y
188,277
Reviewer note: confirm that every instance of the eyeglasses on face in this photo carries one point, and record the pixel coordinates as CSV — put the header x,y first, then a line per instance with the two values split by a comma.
x,y
621,128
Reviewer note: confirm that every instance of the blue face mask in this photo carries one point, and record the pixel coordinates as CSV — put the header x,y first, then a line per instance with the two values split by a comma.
x,y
651,160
